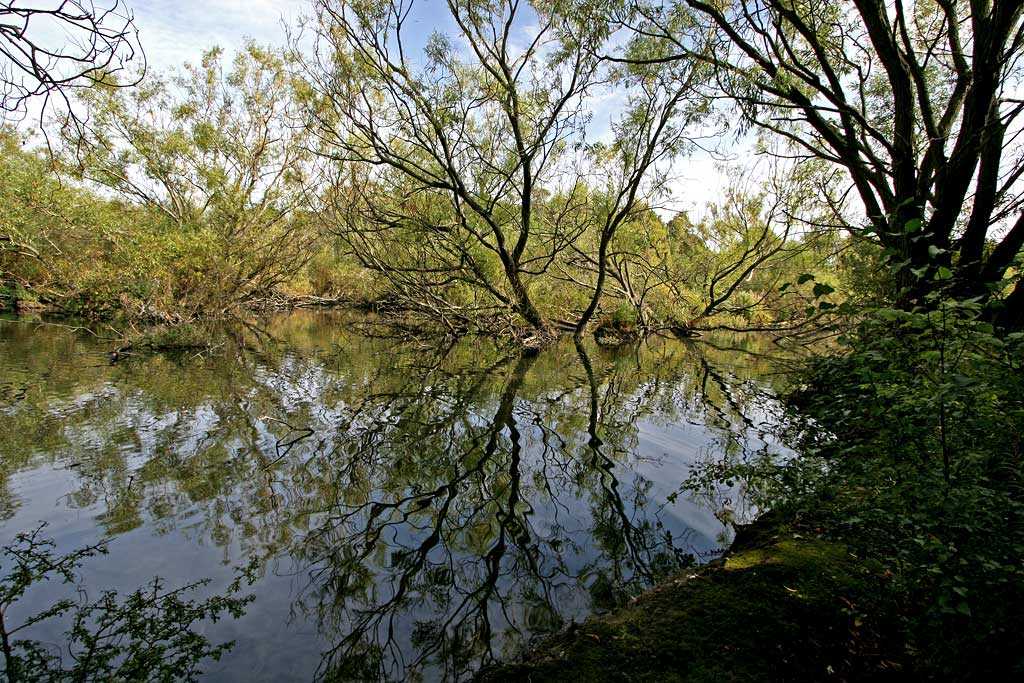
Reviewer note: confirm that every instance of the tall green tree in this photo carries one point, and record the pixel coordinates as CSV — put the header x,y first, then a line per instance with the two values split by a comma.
x,y
469,162
915,101
660,104
475,133
217,153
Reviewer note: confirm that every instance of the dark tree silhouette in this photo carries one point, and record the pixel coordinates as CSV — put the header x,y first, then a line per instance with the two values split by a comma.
x,y
49,49
916,103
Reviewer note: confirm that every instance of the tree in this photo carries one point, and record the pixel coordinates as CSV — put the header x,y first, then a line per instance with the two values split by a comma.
x,y
474,136
217,154
916,102
98,43
659,107
631,265
741,240
470,165
59,244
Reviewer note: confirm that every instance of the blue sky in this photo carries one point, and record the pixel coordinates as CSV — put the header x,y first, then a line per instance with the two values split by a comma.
x,y
173,32
176,31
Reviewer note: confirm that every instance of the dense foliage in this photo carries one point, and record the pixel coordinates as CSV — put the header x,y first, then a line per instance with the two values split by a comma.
x,y
910,437
469,188
918,425
217,245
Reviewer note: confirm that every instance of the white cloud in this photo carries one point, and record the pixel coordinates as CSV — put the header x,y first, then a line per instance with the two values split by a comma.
x,y
174,32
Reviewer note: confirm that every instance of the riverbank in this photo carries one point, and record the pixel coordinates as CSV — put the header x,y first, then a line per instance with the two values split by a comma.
x,y
895,545
20,301
784,603
609,326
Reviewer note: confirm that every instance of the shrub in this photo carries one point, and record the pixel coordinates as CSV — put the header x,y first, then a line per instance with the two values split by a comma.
x,y
918,425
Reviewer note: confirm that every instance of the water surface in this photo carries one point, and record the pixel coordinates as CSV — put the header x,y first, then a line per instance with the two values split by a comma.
x,y
417,509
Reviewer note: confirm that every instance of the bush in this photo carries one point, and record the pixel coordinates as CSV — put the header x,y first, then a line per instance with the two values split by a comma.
x,y
918,425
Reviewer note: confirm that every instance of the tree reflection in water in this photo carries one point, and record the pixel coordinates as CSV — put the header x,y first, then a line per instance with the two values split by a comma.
x,y
458,532
438,507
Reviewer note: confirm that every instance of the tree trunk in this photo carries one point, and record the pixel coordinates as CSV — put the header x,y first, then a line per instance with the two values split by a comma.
x,y
522,303
1011,318
602,268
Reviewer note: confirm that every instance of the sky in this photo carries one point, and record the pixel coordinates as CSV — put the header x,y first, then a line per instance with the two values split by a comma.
x,y
177,31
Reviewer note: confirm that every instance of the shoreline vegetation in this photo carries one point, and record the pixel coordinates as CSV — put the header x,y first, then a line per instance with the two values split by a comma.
x,y
458,183
891,548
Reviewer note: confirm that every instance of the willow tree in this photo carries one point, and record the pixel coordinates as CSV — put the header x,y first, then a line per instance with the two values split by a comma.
x,y
917,102
661,104
215,154
475,125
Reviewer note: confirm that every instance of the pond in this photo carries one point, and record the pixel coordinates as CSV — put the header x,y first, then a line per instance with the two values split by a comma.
x,y
417,510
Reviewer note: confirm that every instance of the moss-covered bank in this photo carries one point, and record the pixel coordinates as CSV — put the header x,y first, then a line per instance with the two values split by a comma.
x,y
784,603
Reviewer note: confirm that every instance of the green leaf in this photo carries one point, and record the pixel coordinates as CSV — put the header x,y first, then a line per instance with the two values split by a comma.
x,y
846,308
899,265
821,289
913,225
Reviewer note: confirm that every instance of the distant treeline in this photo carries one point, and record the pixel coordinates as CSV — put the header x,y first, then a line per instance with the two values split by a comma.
x,y
462,179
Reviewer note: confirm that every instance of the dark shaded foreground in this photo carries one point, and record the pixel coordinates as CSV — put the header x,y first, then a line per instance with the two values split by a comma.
x,y
784,604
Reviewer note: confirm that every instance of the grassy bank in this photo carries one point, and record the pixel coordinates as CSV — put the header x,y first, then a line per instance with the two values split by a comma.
x,y
895,545
782,605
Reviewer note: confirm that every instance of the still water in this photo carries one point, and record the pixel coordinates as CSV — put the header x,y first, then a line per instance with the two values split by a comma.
x,y
417,509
